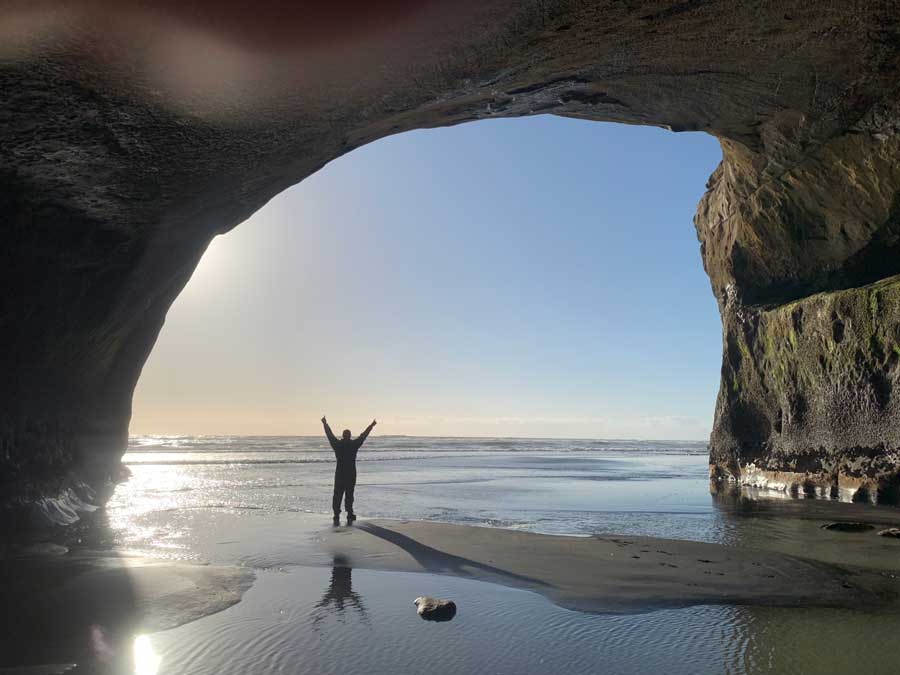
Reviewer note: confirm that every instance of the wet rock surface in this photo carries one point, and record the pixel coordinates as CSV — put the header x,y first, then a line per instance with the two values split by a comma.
x,y
434,609
807,401
131,139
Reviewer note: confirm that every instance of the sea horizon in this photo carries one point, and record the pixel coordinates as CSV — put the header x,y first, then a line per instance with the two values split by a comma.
x,y
455,437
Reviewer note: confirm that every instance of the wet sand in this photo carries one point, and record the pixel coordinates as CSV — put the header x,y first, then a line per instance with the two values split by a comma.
x,y
83,606
255,582
86,606
345,621
612,574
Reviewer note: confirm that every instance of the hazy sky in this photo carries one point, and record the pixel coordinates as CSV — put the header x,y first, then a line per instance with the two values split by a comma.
x,y
530,277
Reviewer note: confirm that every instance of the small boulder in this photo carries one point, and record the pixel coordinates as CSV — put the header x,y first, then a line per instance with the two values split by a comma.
x,y
848,527
433,609
890,532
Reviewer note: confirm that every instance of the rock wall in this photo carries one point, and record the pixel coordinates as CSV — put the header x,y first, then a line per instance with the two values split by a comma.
x,y
807,397
135,132
804,263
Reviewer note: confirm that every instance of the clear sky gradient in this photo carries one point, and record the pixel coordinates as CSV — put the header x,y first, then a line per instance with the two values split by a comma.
x,y
531,277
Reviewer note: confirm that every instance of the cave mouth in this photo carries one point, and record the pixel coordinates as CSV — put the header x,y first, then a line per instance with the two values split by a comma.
x,y
133,141
465,283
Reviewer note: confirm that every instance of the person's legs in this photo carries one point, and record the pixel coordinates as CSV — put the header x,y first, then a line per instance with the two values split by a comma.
x,y
348,498
336,498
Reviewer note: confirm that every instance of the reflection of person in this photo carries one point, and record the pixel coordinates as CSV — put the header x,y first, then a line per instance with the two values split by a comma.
x,y
345,450
340,592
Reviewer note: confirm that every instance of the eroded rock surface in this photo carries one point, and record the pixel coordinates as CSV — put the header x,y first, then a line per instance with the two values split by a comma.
x,y
807,396
135,132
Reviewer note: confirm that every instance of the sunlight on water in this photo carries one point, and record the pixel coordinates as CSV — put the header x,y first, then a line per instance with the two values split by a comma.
x,y
541,485
146,660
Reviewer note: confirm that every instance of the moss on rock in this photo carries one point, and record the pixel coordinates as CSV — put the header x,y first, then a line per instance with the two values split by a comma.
x,y
822,373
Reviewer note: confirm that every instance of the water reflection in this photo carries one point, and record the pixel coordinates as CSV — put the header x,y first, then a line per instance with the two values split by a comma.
x,y
340,596
510,631
755,519
146,660
77,606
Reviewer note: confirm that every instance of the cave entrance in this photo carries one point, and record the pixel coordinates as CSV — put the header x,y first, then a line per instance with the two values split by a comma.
x,y
520,277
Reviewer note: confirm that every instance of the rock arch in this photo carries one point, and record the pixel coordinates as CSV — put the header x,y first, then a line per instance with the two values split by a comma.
x,y
135,132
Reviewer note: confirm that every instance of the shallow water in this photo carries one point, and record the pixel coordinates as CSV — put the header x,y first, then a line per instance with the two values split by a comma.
x,y
182,486
236,501
319,620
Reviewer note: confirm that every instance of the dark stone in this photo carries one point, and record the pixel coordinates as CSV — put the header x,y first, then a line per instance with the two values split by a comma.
x,y
433,609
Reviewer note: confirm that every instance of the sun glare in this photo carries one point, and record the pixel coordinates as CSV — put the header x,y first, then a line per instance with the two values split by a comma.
x,y
214,268
146,661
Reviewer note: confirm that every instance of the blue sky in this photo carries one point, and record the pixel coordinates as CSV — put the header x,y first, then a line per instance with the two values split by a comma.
x,y
527,277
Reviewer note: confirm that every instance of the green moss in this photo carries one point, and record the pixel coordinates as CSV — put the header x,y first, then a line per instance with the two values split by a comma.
x,y
786,358
745,350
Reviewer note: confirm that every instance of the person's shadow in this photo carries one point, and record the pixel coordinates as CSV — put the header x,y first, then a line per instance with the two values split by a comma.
x,y
340,596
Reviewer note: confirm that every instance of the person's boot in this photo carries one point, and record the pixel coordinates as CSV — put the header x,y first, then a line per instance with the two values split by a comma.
x,y
337,518
351,517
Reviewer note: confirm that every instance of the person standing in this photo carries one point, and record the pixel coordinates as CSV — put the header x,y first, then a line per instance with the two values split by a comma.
x,y
345,449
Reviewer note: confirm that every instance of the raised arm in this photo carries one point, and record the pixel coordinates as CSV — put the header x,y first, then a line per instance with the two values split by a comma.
x,y
364,435
331,439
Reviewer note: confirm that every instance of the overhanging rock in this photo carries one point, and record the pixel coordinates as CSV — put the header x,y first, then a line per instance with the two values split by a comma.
x,y
135,132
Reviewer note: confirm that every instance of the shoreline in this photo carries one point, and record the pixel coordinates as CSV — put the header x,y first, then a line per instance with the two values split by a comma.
x,y
59,593
617,574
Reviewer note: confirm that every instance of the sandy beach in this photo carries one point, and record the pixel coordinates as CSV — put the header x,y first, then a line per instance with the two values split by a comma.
x,y
172,579
87,607
610,573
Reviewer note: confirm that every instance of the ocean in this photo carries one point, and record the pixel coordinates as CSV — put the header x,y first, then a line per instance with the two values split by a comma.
x,y
551,486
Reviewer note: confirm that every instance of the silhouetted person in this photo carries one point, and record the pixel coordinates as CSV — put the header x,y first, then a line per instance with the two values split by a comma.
x,y
345,450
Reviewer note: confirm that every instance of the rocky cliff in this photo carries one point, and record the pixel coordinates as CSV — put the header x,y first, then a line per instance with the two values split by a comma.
x,y
134,132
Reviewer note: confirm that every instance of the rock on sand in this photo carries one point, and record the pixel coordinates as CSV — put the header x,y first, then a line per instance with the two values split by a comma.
x,y
433,609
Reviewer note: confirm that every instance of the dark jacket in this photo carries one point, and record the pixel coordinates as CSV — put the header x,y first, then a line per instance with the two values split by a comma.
x,y
345,451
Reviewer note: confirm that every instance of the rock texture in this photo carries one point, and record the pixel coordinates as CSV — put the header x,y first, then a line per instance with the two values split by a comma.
x,y
434,609
807,397
135,132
